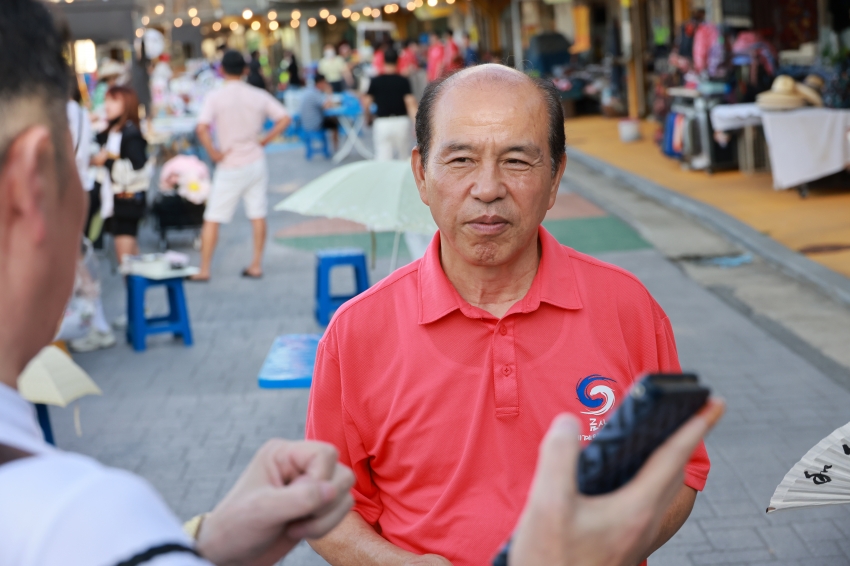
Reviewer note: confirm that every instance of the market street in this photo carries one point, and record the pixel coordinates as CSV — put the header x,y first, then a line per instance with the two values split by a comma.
x,y
189,419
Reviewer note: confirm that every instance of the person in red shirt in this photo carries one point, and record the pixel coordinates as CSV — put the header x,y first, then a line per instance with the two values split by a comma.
x,y
436,56
451,53
407,59
438,384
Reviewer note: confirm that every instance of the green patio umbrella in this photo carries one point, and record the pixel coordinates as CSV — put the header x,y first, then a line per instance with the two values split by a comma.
x,y
382,195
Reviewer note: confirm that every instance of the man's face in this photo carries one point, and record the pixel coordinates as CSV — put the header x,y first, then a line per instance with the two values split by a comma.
x,y
489,178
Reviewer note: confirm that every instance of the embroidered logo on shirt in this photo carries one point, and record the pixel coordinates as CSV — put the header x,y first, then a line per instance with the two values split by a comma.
x,y
595,395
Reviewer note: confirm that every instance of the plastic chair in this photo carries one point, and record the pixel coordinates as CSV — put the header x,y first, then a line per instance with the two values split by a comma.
x,y
310,138
176,321
326,260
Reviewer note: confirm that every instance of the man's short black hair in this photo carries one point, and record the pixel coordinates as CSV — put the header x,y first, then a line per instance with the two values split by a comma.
x,y
390,56
233,63
32,68
551,96
319,79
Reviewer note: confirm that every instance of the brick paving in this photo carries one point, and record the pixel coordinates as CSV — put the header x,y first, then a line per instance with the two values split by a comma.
x,y
189,419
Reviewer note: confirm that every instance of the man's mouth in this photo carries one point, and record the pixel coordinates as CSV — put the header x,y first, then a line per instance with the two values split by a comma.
x,y
488,224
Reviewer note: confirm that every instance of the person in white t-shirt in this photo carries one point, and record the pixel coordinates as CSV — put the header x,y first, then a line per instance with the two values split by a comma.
x,y
58,508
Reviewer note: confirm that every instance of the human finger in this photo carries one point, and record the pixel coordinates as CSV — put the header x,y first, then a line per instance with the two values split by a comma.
x,y
664,469
317,460
318,527
557,462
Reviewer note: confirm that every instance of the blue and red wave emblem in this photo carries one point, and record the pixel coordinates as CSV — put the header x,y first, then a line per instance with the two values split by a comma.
x,y
594,394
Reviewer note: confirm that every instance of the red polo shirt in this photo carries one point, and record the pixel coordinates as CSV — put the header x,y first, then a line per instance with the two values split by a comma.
x,y
439,407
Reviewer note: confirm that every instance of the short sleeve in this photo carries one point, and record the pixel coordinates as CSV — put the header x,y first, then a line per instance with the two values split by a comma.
x,y
329,421
405,88
372,89
207,110
274,109
696,472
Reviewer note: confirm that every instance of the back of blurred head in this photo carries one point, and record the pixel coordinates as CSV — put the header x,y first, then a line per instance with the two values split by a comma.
x,y
41,200
391,56
233,63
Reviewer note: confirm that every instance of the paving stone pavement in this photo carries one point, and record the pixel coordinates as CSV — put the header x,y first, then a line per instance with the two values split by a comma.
x,y
189,419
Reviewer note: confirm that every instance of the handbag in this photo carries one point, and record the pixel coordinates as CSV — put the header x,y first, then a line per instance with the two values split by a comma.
x,y
125,179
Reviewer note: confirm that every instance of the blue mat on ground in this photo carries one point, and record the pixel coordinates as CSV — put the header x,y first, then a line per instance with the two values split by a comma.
x,y
289,363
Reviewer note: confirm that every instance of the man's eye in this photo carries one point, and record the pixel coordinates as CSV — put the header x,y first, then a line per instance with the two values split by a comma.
x,y
461,160
517,162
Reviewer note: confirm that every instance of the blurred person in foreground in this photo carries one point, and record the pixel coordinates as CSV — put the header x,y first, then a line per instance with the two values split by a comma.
x,y
60,508
438,383
436,52
238,112
392,128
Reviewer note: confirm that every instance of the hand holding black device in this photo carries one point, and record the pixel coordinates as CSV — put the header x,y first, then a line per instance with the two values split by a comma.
x,y
655,408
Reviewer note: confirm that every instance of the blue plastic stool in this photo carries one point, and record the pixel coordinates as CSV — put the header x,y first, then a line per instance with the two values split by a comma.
x,y
316,136
176,321
326,260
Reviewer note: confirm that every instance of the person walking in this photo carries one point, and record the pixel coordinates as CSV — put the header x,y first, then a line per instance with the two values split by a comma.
x,y
255,72
392,94
238,112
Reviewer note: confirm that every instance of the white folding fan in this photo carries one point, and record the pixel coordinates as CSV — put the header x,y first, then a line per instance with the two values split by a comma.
x,y
822,477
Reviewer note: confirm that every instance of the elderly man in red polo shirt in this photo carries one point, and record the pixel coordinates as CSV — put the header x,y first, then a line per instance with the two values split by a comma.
x,y
438,384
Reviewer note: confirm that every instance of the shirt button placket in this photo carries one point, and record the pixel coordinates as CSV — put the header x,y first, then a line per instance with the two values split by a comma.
x,y
505,370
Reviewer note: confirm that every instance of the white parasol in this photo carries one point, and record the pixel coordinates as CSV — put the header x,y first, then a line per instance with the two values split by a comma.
x,y
821,477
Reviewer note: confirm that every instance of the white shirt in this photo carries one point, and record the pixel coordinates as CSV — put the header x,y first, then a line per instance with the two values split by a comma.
x,y
59,508
80,124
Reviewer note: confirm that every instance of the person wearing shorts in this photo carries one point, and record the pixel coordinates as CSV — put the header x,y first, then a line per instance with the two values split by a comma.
x,y
237,112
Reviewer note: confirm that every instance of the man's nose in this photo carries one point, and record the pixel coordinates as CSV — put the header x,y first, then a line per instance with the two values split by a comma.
x,y
489,185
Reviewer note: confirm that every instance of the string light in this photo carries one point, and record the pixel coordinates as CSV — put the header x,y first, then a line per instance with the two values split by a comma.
x,y
255,26
196,21
332,19
273,25
432,3
355,16
418,3
296,15
193,12
376,13
450,1
346,13
247,14
159,9
312,22
234,26
388,8
411,6
140,32
272,15
367,11
216,26
294,24
324,13
145,20
178,22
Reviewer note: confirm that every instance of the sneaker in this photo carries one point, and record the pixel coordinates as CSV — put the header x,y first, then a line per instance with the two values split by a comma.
x,y
96,340
120,323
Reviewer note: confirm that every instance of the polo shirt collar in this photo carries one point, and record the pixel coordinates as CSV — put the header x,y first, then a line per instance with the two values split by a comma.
x,y
554,284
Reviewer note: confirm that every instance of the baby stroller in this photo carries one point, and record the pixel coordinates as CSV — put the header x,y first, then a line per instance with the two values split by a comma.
x,y
184,184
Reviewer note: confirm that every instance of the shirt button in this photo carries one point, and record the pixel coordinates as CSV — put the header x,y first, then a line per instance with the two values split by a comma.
x,y
503,330
506,370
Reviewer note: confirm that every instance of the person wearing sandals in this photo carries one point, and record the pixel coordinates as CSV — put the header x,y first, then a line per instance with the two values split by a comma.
x,y
237,112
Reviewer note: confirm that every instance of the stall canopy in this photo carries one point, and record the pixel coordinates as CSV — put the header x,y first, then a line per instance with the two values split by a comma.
x,y
101,21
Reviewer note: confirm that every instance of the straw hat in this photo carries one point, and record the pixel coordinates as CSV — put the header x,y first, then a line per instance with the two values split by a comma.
x,y
783,95
814,81
810,94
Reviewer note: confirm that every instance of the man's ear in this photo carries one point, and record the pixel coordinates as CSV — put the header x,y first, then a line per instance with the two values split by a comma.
x,y
556,181
27,174
418,166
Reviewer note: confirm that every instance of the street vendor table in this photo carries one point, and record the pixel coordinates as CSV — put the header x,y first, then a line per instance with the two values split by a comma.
x,y
351,119
806,144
